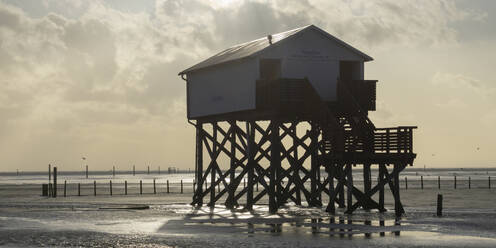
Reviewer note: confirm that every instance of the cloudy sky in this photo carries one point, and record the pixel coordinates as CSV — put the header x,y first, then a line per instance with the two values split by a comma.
x,y
99,78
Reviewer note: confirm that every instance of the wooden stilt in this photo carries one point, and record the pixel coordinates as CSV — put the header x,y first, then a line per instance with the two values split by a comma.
x,y
349,187
275,163
382,167
250,130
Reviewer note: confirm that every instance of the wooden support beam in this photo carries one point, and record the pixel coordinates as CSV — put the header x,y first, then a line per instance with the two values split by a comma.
x,y
250,130
275,163
349,188
232,168
381,187
332,194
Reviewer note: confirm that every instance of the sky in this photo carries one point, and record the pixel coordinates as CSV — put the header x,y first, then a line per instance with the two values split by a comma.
x,y
98,79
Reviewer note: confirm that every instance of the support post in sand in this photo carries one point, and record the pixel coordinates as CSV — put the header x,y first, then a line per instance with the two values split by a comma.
x,y
141,187
168,187
79,189
65,188
110,187
218,188
49,180
55,181
406,182
125,187
154,187
148,170
134,170
422,182
469,186
349,187
439,182
94,188
194,184
439,205
86,171
455,183
381,188
182,186
489,181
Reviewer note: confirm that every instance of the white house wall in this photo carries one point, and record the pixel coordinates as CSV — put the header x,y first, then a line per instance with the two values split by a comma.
x,y
311,54
222,89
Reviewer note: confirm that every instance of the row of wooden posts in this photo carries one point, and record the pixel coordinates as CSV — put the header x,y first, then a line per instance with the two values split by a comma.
x,y
52,188
454,182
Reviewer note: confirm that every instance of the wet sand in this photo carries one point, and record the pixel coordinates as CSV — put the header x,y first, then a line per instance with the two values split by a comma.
x,y
27,219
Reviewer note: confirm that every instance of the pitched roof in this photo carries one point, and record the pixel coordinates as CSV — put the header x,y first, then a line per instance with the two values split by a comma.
x,y
252,48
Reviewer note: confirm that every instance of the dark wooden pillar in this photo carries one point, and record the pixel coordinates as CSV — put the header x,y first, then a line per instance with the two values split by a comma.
x,y
275,163
349,187
314,166
199,164
232,168
382,167
250,134
341,189
296,173
367,184
398,208
332,195
213,163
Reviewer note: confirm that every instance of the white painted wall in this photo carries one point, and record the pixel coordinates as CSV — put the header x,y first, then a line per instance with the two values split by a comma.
x,y
223,89
311,54
231,87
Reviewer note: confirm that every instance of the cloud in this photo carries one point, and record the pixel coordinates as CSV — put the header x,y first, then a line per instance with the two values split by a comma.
x,y
85,72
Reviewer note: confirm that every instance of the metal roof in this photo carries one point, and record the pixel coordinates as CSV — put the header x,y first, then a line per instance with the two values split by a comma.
x,y
254,47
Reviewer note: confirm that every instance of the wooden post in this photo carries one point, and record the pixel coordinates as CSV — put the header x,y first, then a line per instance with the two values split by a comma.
x,y
455,183
194,185
256,185
148,172
154,187
110,187
381,188
244,182
349,188
439,205
199,164
422,182
314,167
65,188
168,187
182,186
141,187
275,163
489,181
330,174
341,190
213,158
55,181
79,189
406,182
232,166
367,184
86,171
134,170
94,188
296,173
49,180
397,202
250,131
469,183
439,182
125,187
218,188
